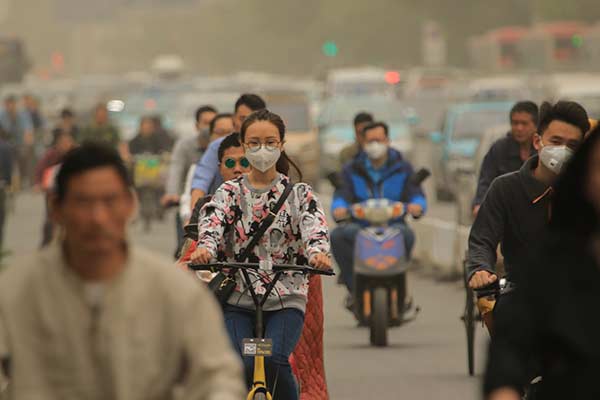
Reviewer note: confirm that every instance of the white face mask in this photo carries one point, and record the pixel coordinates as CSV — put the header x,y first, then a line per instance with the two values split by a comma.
x,y
555,157
376,150
263,158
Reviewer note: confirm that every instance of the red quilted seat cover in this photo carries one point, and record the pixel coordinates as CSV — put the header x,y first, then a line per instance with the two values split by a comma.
x,y
308,358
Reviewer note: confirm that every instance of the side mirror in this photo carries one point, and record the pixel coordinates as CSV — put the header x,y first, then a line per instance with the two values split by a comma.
x,y
436,137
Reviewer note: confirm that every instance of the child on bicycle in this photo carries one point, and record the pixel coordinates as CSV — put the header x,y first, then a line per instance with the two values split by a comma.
x,y
299,235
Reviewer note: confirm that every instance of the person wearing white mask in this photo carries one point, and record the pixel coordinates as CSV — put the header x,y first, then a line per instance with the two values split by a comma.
x,y
379,171
516,211
298,235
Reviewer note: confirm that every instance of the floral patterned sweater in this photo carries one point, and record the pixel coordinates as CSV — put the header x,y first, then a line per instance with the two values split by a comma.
x,y
299,232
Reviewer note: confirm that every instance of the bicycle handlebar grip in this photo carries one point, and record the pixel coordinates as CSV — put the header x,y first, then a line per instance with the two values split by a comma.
x,y
199,267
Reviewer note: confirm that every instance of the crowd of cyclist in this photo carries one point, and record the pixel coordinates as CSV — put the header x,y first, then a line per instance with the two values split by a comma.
x,y
135,325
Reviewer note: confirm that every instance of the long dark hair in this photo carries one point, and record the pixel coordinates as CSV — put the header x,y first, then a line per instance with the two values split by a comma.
x,y
284,162
572,211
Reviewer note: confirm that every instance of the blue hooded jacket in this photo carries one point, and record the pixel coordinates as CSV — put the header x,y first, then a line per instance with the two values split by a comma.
x,y
394,185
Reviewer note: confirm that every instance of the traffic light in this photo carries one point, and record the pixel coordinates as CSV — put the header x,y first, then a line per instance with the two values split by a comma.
x,y
330,48
577,41
392,77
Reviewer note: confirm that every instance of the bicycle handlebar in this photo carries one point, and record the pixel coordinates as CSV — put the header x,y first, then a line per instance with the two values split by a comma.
x,y
305,269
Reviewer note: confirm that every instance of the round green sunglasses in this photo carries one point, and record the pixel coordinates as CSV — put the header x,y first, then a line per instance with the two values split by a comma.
x,y
230,162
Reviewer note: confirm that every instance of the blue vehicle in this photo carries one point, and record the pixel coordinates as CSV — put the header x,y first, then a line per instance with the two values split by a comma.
x,y
455,145
380,267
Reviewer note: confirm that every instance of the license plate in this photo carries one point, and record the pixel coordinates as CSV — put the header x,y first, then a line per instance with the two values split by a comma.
x,y
257,347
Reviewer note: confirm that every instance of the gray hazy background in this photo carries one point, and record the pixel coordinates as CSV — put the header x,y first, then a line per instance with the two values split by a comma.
x,y
221,36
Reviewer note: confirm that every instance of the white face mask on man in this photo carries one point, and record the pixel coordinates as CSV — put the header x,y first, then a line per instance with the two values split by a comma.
x,y
555,157
376,150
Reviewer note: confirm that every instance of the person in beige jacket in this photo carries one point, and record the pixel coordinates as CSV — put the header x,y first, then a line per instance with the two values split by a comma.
x,y
93,317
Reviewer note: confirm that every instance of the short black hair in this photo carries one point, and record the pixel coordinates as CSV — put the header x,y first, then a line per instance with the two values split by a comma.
x,y
374,125
566,111
363,117
217,117
528,107
252,101
10,98
204,109
90,155
230,141
67,113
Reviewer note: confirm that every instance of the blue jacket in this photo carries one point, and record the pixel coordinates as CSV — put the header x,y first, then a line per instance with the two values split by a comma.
x,y
393,185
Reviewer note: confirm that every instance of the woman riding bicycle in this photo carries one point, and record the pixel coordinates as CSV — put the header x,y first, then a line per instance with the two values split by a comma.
x,y
299,235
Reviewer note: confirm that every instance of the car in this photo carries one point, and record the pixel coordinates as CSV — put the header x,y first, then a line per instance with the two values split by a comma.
x,y
301,139
336,129
455,145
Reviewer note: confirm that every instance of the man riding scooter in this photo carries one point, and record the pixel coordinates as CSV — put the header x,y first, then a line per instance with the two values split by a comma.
x,y
378,172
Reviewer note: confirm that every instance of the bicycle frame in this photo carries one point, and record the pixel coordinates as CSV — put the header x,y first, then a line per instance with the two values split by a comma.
x,y
259,384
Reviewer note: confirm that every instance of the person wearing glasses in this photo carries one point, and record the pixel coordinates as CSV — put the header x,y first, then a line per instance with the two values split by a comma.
x,y
298,235
232,164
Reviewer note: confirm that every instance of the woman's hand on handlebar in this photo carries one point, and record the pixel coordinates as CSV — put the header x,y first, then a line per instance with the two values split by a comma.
x,y
201,256
321,261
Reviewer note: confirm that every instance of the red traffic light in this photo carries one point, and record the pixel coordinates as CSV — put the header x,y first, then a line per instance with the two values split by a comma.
x,y
392,77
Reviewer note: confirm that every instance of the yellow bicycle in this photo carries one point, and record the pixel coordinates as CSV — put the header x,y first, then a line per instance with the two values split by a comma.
x,y
259,347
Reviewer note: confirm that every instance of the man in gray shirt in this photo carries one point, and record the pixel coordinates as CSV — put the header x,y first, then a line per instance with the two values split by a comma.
x,y
187,152
92,316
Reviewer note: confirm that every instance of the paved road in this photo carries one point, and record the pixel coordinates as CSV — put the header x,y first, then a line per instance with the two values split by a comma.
x,y
425,360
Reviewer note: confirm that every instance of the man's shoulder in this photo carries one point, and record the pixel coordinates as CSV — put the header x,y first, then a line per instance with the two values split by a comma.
x,y
349,152
502,143
504,182
21,272
350,148
216,143
187,141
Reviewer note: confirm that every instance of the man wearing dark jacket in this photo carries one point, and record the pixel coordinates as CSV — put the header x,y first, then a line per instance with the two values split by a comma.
x,y
509,153
377,172
553,320
515,211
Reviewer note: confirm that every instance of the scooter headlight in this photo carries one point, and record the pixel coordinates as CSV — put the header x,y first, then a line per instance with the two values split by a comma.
x,y
378,215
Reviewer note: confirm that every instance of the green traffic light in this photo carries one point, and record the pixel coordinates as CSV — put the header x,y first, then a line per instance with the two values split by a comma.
x,y
330,49
577,41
